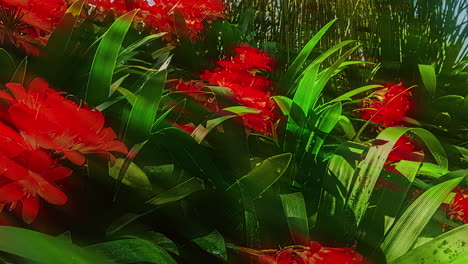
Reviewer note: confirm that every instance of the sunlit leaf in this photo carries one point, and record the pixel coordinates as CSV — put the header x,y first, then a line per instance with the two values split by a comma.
x,y
296,215
134,176
428,76
213,243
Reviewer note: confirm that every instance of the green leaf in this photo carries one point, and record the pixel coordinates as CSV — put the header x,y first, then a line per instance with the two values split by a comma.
x,y
123,221
299,61
213,243
348,95
201,131
124,54
43,248
242,110
19,75
178,192
7,65
296,215
428,76
449,247
325,124
410,225
133,251
262,177
146,105
102,69
134,176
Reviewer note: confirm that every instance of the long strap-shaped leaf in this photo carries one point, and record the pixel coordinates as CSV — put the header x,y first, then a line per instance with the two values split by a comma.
x,y
409,226
296,215
43,248
102,69
369,169
447,248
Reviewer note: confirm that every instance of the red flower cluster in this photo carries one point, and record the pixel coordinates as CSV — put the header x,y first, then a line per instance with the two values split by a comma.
x,y
458,207
38,126
387,106
314,254
239,74
159,16
26,23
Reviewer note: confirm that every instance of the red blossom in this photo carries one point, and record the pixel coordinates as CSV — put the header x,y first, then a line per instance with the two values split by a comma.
x,y
387,106
47,120
404,149
31,180
458,207
314,254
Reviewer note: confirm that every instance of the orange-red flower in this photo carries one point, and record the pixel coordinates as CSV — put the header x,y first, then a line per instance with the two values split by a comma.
x,y
458,207
314,254
387,106
30,181
47,120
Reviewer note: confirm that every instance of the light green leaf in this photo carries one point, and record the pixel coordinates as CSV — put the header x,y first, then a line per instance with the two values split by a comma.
x,y
428,76
43,248
325,124
410,225
296,215
134,176
348,95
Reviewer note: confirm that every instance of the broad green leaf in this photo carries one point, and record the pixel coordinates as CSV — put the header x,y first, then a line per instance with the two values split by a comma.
x,y
299,61
296,215
178,192
43,248
428,76
432,170
134,176
213,243
371,166
7,65
348,95
410,225
102,69
347,127
133,251
262,177
284,103
144,110
19,75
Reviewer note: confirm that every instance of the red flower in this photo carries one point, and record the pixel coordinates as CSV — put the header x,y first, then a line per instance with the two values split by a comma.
x,y
458,207
248,59
404,149
32,181
46,119
387,106
315,254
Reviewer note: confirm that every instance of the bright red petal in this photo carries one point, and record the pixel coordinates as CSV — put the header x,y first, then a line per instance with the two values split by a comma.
x,y
75,156
11,192
30,209
56,174
39,161
52,194
18,90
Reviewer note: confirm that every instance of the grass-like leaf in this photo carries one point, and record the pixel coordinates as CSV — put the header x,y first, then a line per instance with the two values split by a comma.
x,y
428,76
102,69
296,215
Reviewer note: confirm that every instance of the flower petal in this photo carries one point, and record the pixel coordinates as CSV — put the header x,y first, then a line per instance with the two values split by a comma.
x,y
75,156
11,192
52,194
18,90
39,161
56,174
30,208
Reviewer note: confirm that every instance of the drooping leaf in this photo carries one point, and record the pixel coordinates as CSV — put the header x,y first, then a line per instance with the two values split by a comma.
x,y
134,176
296,215
410,225
133,251
428,76
446,248
43,248
178,192
262,177
213,243
102,69
348,95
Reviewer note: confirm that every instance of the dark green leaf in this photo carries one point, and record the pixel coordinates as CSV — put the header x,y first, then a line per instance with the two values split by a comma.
x,y
213,243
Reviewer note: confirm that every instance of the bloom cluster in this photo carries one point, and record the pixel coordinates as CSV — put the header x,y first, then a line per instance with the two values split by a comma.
x,y
458,207
158,15
26,23
38,127
240,75
315,253
387,106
